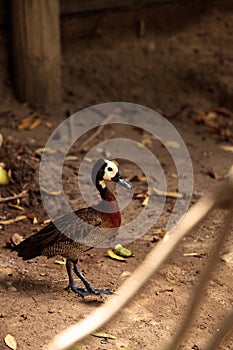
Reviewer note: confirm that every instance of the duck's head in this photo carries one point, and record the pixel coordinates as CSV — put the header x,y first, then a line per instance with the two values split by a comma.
x,y
107,170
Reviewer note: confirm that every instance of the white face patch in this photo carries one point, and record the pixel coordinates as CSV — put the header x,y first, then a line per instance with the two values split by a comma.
x,y
110,170
102,183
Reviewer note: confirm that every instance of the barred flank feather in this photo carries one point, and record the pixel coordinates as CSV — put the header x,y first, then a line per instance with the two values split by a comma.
x,y
78,234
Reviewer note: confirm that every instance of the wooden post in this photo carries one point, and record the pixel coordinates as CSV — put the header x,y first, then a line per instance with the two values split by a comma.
x,y
36,51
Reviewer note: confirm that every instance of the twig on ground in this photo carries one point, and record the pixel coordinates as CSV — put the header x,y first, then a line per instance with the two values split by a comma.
x,y
10,198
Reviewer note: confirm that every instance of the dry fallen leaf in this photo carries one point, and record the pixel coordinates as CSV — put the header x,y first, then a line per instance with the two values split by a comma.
x,y
10,175
140,195
60,262
190,254
170,278
218,121
34,124
227,148
146,141
161,232
39,151
223,111
25,123
52,193
71,158
11,341
142,178
165,290
16,239
138,178
199,116
122,251
172,144
170,194
114,256
88,160
12,221
104,335
32,121
143,195
108,154
145,201
33,218
15,206
1,140
195,255
49,125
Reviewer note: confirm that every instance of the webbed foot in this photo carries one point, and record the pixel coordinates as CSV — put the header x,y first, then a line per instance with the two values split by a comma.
x,y
83,292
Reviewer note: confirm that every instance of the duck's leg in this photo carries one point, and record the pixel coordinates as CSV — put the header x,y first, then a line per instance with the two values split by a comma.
x,y
72,285
90,289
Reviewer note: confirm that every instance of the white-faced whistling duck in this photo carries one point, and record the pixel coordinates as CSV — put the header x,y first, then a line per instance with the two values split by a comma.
x,y
92,228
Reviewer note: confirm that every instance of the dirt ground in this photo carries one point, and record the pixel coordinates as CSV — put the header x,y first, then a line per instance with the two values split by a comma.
x,y
179,72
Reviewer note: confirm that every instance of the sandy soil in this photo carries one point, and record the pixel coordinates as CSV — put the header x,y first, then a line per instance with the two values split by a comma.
x,y
161,70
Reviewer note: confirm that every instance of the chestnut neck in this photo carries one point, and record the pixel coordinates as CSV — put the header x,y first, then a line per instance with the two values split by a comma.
x,y
109,207
108,198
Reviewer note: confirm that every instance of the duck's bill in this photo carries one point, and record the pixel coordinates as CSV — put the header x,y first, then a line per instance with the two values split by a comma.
x,y
118,178
125,184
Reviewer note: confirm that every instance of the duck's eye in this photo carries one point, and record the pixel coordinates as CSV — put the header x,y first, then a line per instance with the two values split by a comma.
x,y
109,168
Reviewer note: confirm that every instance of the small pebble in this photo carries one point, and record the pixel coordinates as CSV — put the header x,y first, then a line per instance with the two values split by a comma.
x,y
12,289
125,274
